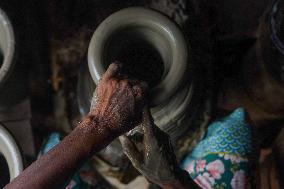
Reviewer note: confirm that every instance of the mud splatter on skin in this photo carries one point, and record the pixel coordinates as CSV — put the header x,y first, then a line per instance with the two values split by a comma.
x,y
157,160
121,108
59,164
110,118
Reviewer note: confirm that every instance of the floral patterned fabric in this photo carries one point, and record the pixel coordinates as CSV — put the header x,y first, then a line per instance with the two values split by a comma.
x,y
220,160
219,171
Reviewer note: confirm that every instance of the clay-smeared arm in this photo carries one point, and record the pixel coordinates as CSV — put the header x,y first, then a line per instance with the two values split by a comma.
x,y
157,162
57,166
118,105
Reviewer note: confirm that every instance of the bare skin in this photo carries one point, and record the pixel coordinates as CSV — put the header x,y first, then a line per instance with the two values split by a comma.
x,y
118,107
157,161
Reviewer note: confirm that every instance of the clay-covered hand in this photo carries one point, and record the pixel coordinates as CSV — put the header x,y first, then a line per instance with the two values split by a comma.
x,y
117,102
157,161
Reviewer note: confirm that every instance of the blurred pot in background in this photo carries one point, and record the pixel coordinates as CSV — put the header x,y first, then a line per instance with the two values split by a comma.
x,y
15,111
14,66
7,47
11,160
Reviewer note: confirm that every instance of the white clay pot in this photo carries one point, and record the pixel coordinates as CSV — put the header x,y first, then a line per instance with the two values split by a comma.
x,y
149,26
7,46
11,152
172,95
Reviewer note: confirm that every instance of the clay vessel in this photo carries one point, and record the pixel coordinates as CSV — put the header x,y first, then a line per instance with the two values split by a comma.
x,y
11,152
7,47
132,26
172,95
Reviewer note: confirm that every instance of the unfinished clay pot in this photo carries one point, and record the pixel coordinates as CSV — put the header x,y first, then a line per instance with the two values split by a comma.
x,y
143,33
7,47
150,45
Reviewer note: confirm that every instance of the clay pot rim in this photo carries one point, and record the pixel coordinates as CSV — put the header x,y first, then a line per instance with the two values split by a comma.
x,y
9,50
142,17
11,152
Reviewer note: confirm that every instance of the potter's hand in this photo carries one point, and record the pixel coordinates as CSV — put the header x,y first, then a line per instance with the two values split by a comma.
x,y
118,102
157,162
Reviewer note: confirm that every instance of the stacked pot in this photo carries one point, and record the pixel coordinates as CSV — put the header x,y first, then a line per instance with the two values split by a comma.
x,y
14,104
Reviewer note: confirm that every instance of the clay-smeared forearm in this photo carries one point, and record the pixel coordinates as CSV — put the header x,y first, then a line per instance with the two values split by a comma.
x,y
55,168
118,106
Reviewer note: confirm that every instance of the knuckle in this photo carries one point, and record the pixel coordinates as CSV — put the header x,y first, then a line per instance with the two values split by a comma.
x,y
124,84
101,82
137,88
113,66
113,82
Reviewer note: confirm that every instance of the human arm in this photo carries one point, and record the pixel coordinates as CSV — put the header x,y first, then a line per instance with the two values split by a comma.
x,y
118,105
157,161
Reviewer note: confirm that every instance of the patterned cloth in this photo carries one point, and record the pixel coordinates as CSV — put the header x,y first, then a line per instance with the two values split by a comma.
x,y
220,160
